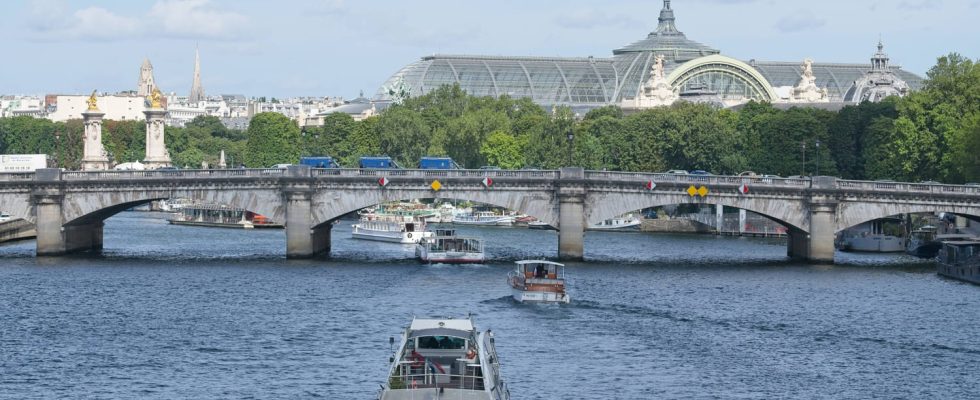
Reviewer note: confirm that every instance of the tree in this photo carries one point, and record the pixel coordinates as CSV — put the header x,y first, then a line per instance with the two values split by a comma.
x,y
273,139
503,150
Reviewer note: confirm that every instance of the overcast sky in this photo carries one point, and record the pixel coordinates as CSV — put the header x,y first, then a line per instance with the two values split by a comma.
x,y
338,47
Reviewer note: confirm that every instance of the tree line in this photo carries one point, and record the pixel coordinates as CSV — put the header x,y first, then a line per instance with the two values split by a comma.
x,y
931,134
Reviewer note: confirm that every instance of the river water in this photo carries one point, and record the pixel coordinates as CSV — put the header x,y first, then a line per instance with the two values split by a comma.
x,y
179,312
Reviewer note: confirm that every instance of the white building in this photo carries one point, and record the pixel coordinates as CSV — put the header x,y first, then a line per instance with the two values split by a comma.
x,y
118,107
15,106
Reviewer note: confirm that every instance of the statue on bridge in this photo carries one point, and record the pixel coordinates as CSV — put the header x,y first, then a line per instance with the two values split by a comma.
x,y
92,102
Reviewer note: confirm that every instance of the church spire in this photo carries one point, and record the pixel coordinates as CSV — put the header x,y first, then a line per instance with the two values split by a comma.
x,y
666,26
197,92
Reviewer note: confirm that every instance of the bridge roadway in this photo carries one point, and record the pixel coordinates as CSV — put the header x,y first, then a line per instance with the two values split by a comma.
x,y
68,208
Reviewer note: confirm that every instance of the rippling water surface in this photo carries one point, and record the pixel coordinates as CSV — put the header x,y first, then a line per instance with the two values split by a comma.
x,y
178,312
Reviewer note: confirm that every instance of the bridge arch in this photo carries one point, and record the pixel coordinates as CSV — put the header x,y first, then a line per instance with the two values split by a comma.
x,y
787,211
851,214
94,206
329,205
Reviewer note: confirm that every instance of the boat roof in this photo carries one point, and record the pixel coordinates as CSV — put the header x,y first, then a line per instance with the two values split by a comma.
x,y
963,243
954,236
523,262
460,324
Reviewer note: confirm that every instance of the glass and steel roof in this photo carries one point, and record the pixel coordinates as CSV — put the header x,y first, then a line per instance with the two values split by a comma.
x,y
590,82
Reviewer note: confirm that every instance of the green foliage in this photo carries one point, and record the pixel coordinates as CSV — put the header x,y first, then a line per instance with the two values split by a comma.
x,y
272,139
503,150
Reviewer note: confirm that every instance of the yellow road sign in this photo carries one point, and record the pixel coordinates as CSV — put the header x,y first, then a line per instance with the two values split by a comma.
x,y
436,185
703,191
692,191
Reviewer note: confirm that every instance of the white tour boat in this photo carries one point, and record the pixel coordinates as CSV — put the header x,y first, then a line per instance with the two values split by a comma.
x,y
623,222
879,236
390,228
445,247
484,218
537,281
444,359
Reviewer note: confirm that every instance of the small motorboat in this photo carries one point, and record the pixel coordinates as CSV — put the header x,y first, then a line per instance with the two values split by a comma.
x,y
538,281
447,248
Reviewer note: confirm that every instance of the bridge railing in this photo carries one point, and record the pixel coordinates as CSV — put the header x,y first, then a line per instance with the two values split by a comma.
x,y
172,173
695,179
16,176
878,186
435,173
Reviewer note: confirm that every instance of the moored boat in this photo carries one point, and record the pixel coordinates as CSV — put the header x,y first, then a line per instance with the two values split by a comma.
x,y
484,218
390,228
922,242
960,260
444,359
622,222
540,225
222,216
447,248
538,281
879,236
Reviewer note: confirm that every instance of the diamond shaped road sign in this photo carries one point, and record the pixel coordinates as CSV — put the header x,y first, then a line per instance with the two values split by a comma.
x,y
744,189
651,185
436,185
703,191
487,182
692,191
383,181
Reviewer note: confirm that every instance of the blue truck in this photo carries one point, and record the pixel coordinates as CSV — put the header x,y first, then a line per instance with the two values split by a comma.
x,y
437,163
319,162
377,163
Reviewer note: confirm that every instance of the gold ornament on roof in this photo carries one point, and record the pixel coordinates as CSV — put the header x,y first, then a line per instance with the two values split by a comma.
x,y
92,102
155,97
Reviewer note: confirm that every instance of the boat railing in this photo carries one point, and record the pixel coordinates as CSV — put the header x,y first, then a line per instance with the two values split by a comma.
x,y
429,380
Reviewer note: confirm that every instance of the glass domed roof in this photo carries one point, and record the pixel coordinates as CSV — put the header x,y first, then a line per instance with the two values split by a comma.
x,y
668,41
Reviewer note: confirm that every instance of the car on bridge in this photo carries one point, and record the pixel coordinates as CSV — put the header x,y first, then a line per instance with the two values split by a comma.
x,y
677,172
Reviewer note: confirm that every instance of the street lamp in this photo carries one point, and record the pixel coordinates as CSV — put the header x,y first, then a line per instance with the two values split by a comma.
x,y
571,145
817,145
803,173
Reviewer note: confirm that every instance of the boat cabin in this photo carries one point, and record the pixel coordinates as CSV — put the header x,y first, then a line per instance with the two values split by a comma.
x,y
440,353
960,252
539,269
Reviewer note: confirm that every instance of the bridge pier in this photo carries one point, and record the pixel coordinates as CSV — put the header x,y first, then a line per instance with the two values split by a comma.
x,y
303,240
571,214
54,238
818,244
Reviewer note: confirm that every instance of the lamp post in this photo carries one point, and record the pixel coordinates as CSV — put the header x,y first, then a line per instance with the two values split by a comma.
x,y
817,145
803,173
571,145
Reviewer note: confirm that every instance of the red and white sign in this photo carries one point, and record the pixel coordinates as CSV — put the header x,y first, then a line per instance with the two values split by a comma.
x,y
383,181
744,189
487,182
651,185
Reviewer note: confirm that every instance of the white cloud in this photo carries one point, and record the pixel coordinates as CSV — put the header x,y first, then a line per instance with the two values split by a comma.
x,y
592,18
799,22
51,20
196,19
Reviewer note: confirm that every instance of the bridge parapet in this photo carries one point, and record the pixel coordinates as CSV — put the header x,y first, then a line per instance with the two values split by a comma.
x,y
436,173
878,186
172,174
610,176
16,176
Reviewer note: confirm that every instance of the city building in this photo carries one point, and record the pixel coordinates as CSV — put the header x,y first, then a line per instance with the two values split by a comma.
x,y
662,68
146,83
119,107
16,106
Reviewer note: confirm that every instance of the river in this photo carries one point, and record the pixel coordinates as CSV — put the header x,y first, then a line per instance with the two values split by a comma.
x,y
181,312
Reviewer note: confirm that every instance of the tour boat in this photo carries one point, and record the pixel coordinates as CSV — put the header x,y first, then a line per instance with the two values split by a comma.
x,y
960,260
221,216
485,218
537,281
444,359
390,228
447,248
881,236
175,205
622,222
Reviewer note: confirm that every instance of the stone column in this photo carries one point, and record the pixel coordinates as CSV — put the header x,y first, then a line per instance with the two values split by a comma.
x,y
156,149
571,214
303,240
741,222
94,155
821,208
719,218
54,238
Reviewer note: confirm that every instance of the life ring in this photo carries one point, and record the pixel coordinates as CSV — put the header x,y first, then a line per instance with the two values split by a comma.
x,y
470,354
410,235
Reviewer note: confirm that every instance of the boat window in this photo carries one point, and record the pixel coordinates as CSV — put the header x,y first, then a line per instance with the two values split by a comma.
x,y
441,342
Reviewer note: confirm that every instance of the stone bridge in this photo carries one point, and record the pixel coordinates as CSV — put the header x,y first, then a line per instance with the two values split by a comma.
x,y
68,208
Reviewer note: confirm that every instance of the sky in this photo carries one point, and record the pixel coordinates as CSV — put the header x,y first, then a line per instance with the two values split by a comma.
x,y
288,48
